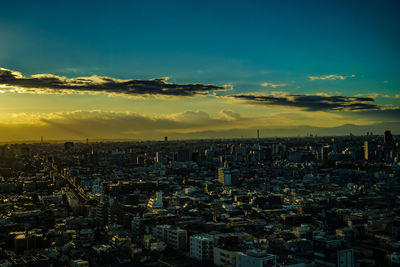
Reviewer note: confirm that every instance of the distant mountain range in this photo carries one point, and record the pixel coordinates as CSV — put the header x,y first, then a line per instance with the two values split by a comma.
x,y
294,131
265,132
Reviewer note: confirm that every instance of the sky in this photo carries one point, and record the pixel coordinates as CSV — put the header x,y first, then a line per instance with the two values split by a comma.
x,y
198,69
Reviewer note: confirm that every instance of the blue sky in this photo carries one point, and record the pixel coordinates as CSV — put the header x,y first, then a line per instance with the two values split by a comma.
x,y
242,43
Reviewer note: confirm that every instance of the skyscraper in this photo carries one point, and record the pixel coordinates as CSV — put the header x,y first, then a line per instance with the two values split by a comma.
x,y
366,150
388,139
224,175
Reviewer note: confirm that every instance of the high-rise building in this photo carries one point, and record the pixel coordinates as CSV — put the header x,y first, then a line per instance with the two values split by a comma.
x,y
324,153
224,175
366,150
388,139
370,150
174,237
159,157
177,238
202,247
101,213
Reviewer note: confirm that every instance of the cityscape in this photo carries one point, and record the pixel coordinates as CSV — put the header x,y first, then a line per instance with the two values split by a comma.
x,y
311,201
225,133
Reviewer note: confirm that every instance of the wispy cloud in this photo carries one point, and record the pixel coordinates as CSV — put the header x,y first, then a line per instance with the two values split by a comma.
x,y
50,84
331,77
317,102
273,85
376,95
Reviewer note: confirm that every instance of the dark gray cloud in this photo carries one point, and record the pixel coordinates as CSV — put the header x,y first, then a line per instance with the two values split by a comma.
x,y
49,83
389,114
310,102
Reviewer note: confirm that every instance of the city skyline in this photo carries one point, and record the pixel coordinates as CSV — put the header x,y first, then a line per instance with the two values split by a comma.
x,y
198,69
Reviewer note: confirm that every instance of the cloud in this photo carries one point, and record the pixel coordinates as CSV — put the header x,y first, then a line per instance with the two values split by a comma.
x,y
331,77
50,83
376,95
230,115
108,124
273,85
317,102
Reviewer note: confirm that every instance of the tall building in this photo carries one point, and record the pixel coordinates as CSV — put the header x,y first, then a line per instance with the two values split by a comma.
x,y
114,210
366,150
388,139
370,148
324,153
101,213
159,157
177,238
202,247
224,175
174,237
